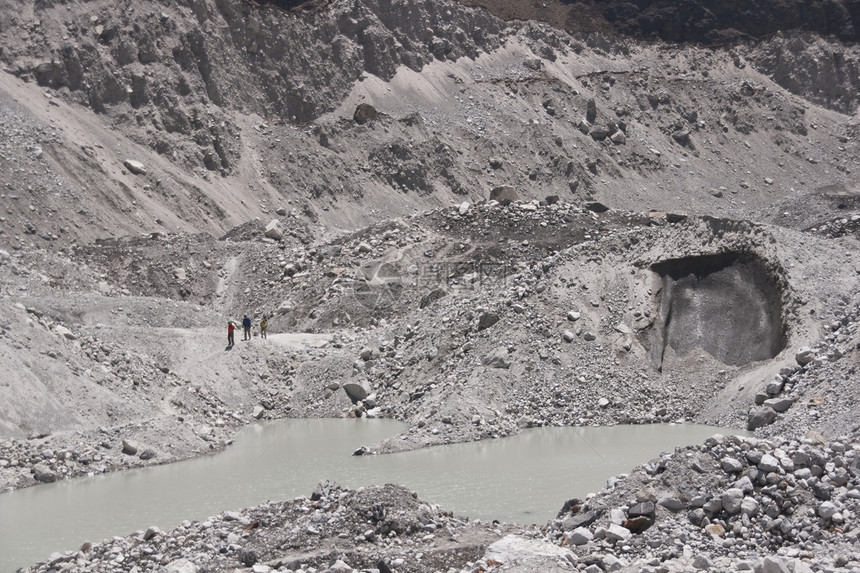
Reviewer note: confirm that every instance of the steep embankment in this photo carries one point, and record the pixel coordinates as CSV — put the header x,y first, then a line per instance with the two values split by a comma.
x,y
237,111
640,189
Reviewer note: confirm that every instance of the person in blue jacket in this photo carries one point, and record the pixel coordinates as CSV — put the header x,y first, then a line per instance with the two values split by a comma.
x,y
246,326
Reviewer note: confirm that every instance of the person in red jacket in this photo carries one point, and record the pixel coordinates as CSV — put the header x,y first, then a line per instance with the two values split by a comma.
x,y
230,329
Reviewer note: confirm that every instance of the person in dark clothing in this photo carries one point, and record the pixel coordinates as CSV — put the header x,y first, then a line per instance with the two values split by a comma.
x,y
230,329
246,325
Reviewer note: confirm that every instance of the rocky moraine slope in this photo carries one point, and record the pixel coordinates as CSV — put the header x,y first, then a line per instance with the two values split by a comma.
x,y
472,218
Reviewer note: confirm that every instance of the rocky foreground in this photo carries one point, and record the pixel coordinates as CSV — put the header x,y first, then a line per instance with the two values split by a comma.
x,y
731,504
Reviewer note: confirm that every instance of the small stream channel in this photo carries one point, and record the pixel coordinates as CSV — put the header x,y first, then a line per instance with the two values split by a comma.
x,y
523,479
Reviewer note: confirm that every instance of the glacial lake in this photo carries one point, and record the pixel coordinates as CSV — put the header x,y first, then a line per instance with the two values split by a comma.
x,y
523,479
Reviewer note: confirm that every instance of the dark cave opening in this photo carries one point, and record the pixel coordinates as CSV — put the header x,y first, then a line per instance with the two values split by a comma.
x,y
729,305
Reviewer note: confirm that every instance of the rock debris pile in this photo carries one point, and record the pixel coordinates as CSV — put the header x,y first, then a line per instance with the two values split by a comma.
x,y
455,217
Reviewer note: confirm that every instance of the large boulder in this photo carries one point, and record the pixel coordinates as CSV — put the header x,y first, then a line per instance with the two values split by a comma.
x,y
504,194
732,499
596,207
760,417
637,524
617,533
779,404
356,391
516,549
273,230
645,508
65,332
487,319
804,356
579,536
147,454
591,110
134,166
365,112
43,474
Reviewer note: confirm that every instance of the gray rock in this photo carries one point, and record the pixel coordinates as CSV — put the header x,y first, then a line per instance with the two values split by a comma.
x,y
43,474
773,564
364,113
591,110
579,536
504,194
616,532
798,566
744,484
596,207
768,464
714,505
779,404
617,515
589,337
697,517
682,136
645,508
731,500
568,336
129,447
583,519
151,532
701,562
573,315
672,503
761,417
147,454
258,412
774,388
65,332
273,230
827,510
356,391
135,167
804,355
517,549
749,506
731,465
599,133
611,563
487,319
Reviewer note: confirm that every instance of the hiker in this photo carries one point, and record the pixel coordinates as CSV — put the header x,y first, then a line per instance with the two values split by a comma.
x,y
263,325
230,329
246,325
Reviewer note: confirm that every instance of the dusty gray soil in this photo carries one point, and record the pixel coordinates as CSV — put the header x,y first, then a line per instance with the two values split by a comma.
x,y
675,239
